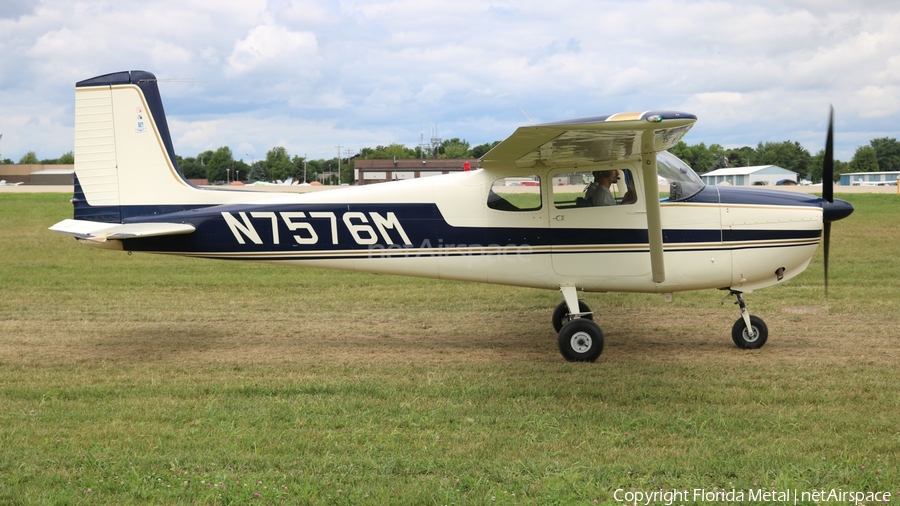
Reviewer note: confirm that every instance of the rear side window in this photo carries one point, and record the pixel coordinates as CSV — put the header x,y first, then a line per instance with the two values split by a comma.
x,y
515,194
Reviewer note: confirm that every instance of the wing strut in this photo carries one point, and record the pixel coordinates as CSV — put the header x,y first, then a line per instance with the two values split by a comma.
x,y
654,222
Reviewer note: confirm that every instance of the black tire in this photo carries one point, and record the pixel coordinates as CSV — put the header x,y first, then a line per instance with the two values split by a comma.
x,y
741,337
561,314
580,340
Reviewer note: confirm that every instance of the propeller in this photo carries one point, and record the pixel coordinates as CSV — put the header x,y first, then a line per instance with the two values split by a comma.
x,y
832,210
828,189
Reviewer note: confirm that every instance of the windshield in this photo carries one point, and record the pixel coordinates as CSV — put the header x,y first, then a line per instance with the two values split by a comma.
x,y
683,181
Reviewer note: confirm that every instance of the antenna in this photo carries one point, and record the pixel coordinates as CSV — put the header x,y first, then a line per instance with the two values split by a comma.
x,y
525,113
435,143
173,80
423,148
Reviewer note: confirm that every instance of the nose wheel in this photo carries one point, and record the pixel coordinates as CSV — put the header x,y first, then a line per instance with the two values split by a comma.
x,y
749,332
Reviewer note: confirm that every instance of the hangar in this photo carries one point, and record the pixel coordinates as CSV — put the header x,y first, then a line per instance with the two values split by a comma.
x,y
378,171
870,178
749,176
38,174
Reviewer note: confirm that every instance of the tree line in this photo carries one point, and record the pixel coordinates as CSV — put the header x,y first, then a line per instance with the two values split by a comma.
x,y
880,155
31,158
220,165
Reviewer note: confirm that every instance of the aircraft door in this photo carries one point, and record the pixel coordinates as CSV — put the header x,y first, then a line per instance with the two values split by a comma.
x,y
599,225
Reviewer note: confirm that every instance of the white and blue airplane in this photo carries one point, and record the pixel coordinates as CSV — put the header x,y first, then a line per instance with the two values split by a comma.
x,y
526,218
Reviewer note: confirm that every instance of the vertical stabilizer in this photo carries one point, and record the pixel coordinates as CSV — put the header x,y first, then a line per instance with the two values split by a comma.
x,y
124,159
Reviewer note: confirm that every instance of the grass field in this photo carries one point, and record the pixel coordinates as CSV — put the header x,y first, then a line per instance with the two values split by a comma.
x,y
158,380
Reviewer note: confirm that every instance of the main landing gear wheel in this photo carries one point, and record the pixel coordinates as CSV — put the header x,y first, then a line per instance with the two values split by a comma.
x,y
750,339
581,340
561,314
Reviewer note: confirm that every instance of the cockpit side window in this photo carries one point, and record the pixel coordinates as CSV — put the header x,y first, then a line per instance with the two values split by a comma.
x,y
598,188
515,194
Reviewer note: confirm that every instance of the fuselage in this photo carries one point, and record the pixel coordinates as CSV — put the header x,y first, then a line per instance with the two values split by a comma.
x,y
442,227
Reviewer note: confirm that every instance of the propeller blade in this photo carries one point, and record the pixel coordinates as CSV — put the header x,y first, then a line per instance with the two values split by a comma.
x,y
827,238
828,162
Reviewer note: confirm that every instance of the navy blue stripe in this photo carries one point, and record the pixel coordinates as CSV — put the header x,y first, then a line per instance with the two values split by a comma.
x,y
424,226
768,235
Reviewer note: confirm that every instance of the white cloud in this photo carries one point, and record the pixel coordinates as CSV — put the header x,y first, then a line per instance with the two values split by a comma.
x,y
196,135
266,44
431,93
878,101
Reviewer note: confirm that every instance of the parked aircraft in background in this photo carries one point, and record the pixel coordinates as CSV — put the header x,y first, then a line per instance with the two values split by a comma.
x,y
471,226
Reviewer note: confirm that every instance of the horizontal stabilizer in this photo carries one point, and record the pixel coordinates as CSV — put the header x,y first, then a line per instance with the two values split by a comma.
x,y
102,232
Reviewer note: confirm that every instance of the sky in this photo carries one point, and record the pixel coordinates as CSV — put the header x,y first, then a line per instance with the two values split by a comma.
x,y
313,75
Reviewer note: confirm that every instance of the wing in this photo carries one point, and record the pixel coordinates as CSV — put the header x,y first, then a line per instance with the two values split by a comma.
x,y
590,141
102,232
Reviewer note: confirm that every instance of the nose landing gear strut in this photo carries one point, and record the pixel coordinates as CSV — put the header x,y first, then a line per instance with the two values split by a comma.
x,y
749,332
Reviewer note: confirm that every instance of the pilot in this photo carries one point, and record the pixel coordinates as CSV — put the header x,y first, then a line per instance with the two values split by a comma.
x,y
599,194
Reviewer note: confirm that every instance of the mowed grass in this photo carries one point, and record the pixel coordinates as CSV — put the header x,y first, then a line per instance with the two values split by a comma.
x,y
149,379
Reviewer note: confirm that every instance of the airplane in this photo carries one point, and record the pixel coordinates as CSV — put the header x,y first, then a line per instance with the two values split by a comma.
x,y
4,183
471,225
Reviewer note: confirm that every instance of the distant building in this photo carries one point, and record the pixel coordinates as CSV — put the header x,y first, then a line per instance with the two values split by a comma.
x,y
379,171
768,175
870,178
38,174
53,176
